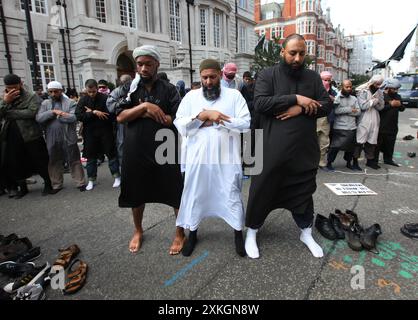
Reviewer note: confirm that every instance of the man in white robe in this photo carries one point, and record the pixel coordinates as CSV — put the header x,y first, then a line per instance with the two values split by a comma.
x,y
212,118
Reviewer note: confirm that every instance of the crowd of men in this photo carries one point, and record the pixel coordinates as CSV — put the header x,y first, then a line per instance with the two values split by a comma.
x,y
305,123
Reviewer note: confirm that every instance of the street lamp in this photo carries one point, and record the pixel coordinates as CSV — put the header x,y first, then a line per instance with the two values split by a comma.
x,y
190,2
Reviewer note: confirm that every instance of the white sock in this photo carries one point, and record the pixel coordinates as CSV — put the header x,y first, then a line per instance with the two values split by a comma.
x,y
90,186
116,184
306,238
251,244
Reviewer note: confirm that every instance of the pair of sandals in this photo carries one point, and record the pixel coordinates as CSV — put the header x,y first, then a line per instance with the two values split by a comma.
x,y
77,269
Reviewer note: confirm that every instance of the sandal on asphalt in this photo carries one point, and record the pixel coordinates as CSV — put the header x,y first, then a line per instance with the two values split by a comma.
x,y
67,255
76,278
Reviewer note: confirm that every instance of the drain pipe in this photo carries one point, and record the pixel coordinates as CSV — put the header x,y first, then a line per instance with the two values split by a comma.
x,y
69,42
6,41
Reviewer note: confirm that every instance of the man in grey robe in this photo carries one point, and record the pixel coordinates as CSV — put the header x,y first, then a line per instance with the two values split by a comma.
x,y
57,117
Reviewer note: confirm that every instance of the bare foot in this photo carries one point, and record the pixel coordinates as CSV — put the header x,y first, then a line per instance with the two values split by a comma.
x,y
136,242
177,245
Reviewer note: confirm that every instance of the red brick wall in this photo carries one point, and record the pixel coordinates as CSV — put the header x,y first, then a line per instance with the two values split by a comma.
x,y
257,11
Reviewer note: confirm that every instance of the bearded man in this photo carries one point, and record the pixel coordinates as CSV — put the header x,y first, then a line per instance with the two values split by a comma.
x,y
288,99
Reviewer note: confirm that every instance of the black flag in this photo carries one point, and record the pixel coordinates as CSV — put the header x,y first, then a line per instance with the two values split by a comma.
x,y
397,55
260,43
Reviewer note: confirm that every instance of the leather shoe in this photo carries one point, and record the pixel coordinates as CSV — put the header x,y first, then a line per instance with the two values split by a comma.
x,y
325,228
337,226
368,237
372,164
410,230
353,237
391,163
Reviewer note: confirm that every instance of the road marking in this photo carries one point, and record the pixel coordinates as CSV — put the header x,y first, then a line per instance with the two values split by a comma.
x,y
187,268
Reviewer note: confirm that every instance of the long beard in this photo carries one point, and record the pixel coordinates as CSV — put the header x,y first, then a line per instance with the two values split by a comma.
x,y
213,93
345,93
292,72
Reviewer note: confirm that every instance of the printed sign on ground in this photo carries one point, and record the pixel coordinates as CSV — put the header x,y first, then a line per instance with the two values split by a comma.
x,y
350,189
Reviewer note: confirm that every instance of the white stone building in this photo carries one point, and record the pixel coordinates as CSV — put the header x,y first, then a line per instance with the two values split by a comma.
x,y
103,34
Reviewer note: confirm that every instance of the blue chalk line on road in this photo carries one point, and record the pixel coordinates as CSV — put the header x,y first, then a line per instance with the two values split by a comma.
x,y
183,271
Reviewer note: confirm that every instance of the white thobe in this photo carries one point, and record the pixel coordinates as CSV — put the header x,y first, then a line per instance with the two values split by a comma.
x,y
212,159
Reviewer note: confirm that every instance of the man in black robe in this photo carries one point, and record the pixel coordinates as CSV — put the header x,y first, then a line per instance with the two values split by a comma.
x,y
23,148
389,118
151,106
98,137
288,99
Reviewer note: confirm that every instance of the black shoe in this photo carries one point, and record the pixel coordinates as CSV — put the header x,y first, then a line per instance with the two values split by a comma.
x,y
410,230
30,255
337,226
13,269
82,188
392,163
13,193
239,243
28,278
190,244
7,240
372,164
368,237
408,138
324,227
21,193
353,237
356,166
47,190
55,191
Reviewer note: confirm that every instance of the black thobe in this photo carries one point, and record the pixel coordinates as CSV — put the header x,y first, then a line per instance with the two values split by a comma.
x,y
290,148
143,179
98,135
388,129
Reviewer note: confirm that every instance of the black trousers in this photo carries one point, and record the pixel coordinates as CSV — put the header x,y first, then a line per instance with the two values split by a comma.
x,y
306,219
386,145
333,152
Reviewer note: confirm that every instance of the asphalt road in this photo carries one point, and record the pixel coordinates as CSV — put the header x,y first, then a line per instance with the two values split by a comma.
x,y
286,269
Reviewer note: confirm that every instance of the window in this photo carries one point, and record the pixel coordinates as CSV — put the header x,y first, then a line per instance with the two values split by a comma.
x,y
306,26
329,57
310,45
128,13
321,52
306,5
45,64
321,32
242,4
320,68
217,29
203,27
147,16
38,6
277,32
175,25
175,62
330,39
101,10
269,15
242,39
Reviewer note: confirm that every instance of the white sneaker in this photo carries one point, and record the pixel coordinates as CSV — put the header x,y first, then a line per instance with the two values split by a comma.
x,y
116,184
90,186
